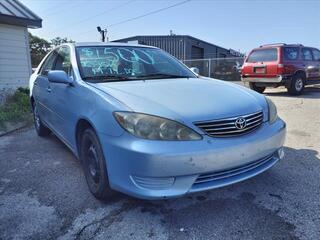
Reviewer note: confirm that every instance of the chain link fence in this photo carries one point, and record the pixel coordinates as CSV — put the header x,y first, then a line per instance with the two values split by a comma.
x,y
220,68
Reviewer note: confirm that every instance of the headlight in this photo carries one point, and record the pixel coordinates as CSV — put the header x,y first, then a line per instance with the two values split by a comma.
x,y
272,109
155,128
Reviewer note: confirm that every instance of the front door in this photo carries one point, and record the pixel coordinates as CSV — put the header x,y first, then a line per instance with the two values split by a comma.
x,y
316,59
309,63
61,103
42,90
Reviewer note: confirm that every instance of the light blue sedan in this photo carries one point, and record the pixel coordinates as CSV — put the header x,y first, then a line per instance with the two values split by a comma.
x,y
144,124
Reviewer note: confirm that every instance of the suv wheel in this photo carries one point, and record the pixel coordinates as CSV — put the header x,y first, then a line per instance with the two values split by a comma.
x,y
41,129
297,84
254,87
94,165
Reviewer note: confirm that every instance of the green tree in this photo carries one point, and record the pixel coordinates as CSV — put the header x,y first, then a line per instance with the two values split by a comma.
x,y
58,41
39,47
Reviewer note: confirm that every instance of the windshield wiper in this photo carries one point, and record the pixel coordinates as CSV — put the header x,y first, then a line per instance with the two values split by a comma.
x,y
162,75
107,78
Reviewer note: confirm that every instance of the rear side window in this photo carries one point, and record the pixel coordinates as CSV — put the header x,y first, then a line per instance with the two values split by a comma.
x,y
306,54
316,54
290,53
263,55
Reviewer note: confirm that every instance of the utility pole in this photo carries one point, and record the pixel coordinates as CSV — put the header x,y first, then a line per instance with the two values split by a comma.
x,y
103,33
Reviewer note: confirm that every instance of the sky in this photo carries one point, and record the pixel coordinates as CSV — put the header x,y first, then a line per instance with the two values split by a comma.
x,y
237,24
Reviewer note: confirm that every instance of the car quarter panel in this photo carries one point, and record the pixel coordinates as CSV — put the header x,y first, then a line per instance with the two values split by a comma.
x,y
87,103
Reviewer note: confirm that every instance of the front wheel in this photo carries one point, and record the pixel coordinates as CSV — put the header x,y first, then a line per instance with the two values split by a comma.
x,y
94,165
296,85
256,88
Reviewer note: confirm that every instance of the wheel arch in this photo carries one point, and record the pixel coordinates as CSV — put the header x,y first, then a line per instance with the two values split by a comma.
x,y
82,124
300,71
32,102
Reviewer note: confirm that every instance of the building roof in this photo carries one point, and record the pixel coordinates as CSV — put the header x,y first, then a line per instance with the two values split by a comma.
x,y
91,44
231,51
165,36
14,12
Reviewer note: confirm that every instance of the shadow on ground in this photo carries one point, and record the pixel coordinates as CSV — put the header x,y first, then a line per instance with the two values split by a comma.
x,y
311,92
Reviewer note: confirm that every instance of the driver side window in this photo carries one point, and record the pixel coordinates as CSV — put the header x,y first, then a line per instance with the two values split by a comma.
x,y
48,64
63,61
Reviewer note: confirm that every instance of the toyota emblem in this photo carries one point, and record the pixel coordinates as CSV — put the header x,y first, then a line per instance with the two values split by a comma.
x,y
240,123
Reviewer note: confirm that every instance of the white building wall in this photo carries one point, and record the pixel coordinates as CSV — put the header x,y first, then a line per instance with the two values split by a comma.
x,y
15,62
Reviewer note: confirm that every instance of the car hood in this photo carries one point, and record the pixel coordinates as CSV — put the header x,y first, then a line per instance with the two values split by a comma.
x,y
186,100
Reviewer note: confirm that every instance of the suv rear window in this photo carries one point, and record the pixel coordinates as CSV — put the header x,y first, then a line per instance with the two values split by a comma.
x,y
290,53
263,55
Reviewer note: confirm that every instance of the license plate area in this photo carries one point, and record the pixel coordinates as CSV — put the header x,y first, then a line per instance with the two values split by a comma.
x,y
260,70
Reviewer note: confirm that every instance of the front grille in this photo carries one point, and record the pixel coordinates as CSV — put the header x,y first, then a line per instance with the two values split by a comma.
x,y
230,126
221,177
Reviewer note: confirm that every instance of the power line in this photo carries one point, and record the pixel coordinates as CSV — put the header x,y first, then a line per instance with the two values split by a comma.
x,y
55,8
148,14
104,12
141,16
97,15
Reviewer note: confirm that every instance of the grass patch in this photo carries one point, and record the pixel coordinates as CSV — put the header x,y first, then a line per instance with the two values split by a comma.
x,y
16,108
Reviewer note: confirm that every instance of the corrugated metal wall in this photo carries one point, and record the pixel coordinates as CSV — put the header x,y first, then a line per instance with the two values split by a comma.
x,y
180,46
171,44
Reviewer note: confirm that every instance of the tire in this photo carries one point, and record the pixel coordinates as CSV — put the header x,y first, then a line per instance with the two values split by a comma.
x,y
41,129
94,165
297,84
254,87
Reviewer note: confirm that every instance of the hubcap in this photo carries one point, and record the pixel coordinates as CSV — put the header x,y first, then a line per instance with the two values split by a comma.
x,y
299,84
93,163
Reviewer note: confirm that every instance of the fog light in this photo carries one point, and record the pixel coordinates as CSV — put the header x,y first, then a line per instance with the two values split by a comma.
x,y
153,183
280,153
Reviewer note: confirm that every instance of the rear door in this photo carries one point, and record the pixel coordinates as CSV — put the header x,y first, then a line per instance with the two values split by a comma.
x,y
262,62
309,64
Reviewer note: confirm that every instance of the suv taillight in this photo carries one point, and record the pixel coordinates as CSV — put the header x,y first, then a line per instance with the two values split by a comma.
x,y
280,69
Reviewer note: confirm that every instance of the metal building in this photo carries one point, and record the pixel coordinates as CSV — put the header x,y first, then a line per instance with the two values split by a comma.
x,y
192,51
183,47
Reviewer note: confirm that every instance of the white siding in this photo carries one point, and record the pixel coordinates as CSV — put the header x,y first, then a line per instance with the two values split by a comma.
x,y
15,62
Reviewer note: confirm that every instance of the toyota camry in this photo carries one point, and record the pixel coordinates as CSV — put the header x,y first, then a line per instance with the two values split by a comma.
x,y
144,124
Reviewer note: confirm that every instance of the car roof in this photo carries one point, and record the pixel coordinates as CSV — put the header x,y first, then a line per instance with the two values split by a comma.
x,y
280,45
88,44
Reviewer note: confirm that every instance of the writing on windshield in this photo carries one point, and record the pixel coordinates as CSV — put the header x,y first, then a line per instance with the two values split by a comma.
x,y
107,61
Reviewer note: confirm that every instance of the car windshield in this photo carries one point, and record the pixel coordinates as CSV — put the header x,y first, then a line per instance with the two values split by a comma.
x,y
119,63
263,55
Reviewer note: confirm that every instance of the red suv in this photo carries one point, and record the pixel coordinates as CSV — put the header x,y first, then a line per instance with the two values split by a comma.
x,y
289,65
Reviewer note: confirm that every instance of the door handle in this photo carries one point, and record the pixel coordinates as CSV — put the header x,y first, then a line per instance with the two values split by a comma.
x,y
49,89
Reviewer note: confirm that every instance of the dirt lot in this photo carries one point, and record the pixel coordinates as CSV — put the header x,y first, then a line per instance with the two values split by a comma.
x,y
43,194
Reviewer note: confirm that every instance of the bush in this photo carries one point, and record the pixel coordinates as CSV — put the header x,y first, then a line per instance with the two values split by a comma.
x,y
16,108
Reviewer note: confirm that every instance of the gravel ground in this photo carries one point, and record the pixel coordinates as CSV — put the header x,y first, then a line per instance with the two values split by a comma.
x,y
43,193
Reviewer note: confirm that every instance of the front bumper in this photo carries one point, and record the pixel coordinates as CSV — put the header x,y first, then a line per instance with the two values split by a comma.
x,y
152,169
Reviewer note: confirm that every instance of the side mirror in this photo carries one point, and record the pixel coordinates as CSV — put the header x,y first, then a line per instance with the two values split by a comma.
x,y
195,70
58,76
